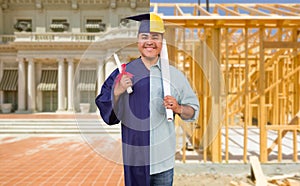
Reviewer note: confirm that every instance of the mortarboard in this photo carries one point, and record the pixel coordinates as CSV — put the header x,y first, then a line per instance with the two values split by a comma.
x,y
150,22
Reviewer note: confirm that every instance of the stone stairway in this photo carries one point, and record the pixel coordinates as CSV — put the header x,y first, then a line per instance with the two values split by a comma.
x,y
56,126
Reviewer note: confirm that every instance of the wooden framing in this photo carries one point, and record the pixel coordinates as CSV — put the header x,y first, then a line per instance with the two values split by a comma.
x,y
257,47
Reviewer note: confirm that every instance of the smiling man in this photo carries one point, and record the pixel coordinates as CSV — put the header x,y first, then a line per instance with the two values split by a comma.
x,y
150,45
148,138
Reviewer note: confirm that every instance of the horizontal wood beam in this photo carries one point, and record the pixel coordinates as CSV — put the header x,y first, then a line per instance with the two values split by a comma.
x,y
281,44
283,127
233,21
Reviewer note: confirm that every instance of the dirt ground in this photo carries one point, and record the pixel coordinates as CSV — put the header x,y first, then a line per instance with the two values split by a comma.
x,y
206,179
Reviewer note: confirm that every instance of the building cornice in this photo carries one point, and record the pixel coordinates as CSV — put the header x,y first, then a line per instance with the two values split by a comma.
x,y
103,45
7,48
115,38
73,4
50,46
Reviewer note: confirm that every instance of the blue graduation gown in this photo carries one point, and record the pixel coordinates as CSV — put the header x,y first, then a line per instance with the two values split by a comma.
x,y
133,110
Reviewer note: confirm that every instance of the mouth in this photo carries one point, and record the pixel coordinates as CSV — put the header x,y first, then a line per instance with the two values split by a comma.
x,y
150,49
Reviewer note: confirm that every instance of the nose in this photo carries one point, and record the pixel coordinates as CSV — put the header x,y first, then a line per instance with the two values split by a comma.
x,y
149,42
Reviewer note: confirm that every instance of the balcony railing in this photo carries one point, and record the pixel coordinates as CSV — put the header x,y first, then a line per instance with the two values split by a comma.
x,y
7,38
116,33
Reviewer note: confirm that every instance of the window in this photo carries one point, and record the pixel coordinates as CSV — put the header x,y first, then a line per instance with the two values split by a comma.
x,y
124,22
88,97
23,25
94,25
11,97
50,101
59,25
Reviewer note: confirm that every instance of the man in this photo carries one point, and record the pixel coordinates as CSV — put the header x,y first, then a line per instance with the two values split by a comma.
x,y
148,138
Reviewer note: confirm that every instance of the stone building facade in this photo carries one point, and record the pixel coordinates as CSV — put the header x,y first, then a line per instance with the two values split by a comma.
x,y
55,54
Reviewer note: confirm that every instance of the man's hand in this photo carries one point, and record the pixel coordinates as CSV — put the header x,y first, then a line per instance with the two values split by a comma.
x,y
185,111
122,86
171,103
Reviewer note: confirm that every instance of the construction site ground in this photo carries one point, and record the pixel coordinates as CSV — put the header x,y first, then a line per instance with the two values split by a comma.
x,y
68,159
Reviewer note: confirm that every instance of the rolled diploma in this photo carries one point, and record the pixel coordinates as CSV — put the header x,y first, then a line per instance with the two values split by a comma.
x,y
129,89
165,71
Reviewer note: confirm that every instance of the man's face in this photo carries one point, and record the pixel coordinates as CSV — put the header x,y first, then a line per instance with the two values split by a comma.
x,y
150,44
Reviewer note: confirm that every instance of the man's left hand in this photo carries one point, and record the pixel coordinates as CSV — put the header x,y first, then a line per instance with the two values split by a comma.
x,y
185,111
171,103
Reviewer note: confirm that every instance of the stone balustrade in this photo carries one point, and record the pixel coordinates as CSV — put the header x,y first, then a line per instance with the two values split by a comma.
x,y
6,38
68,36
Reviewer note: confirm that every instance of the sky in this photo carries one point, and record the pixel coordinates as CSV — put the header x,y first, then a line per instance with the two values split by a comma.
x,y
170,11
225,1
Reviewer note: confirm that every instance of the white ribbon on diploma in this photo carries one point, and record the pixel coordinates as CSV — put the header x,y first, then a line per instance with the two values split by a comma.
x,y
165,73
129,89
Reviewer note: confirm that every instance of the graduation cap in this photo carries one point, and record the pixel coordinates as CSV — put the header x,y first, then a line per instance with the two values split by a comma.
x,y
150,22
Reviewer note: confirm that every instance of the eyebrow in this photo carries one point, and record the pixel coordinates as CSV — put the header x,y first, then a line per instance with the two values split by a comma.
x,y
145,34
150,34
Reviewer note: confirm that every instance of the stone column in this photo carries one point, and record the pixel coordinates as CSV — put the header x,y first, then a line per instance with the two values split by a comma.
x,y
31,104
21,85
1,21
110,66
39,94
61,85
100,75
1,75
70,85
